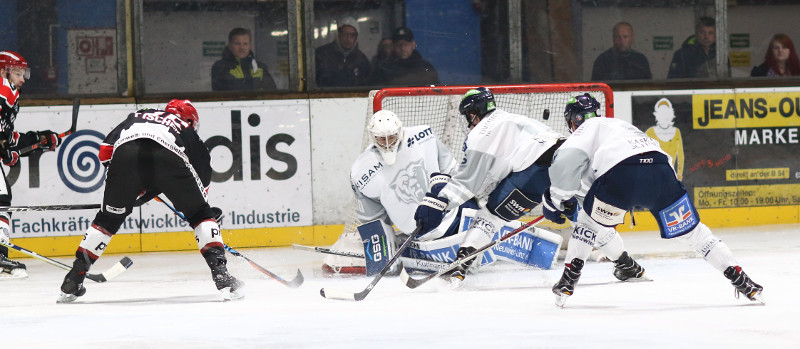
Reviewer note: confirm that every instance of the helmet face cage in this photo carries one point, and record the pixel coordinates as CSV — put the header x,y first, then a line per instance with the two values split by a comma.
x,y
579,109
477,102
386,130
10,60
186,111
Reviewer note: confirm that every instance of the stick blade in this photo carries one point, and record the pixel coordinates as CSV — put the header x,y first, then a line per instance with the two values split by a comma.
x,y
340,295
112,272
297,281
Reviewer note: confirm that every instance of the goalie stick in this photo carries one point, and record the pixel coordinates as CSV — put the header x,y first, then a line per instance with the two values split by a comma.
x,y
293,283
414,283
76,105
109,274
348,296
327,251
49,208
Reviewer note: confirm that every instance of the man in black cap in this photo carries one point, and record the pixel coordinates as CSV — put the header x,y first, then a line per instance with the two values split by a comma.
x,y
406,67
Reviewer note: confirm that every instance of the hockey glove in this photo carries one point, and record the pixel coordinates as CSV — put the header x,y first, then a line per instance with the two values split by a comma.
x,y
10,157
50,139
218,214
556,215
429,212
437,182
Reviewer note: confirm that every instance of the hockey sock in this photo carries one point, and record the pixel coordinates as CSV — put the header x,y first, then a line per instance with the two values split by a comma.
x,y
710,247
94,243
208,235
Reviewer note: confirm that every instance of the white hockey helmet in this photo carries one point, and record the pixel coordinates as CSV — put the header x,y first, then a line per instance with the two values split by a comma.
x,y
386,130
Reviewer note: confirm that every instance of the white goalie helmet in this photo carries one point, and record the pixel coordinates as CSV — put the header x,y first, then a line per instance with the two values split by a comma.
x,y
386,130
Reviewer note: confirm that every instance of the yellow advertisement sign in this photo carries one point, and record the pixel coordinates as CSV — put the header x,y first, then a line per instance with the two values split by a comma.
x,y
747,195
757,174
746,110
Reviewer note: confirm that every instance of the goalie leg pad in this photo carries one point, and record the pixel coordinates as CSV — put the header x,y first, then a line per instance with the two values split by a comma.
x,y
537,248
378,240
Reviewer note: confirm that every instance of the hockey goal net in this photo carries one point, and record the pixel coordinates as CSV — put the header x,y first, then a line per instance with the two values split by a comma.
x,y
437,107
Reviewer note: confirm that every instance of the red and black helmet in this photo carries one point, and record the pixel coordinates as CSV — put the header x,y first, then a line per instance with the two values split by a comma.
x,y
184,109
12,60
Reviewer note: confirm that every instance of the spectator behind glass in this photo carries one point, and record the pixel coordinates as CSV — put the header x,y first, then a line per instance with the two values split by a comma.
x,y
620,62
406,67
781,59
697,56
341,63
385,48
238,69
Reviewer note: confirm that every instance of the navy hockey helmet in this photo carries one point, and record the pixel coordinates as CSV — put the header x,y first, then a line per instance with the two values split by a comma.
x,y
476,103
579,109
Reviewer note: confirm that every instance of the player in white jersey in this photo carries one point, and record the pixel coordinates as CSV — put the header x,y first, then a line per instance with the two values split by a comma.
x,y
505,166
390,178
606,168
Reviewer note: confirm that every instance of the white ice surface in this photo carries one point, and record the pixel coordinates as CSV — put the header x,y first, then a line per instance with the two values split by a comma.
x,y
167,300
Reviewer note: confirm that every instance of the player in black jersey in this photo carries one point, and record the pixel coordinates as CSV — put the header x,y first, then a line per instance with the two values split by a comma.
x,y
14,71
153,152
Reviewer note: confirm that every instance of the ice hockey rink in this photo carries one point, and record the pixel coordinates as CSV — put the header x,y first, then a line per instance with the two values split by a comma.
x,y
167,300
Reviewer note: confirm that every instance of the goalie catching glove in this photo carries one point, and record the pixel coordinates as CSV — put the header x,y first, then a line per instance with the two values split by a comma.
x,y
429,212
556,214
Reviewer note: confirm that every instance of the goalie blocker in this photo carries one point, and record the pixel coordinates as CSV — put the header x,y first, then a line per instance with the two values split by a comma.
x,y
537,248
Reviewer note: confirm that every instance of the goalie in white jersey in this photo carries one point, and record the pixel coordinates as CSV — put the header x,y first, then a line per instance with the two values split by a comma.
x,y
505,165
389,179
609,167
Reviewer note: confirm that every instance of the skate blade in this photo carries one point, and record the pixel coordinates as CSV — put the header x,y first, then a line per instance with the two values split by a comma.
x,y
561,299
643,278
454,283
14,274
66,298
228,295
757,297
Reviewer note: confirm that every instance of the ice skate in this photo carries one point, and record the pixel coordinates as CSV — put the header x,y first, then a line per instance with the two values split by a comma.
x,y
456,277
626,269
227,284
744,284
72,287
12,269
565,287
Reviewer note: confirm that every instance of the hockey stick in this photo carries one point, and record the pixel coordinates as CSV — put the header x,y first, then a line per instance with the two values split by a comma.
x,y
349,296
414,283
109,274
76,104
49,208
327,251
293,283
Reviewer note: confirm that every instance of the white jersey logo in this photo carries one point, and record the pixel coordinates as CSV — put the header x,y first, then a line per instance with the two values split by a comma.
x,y
411,183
